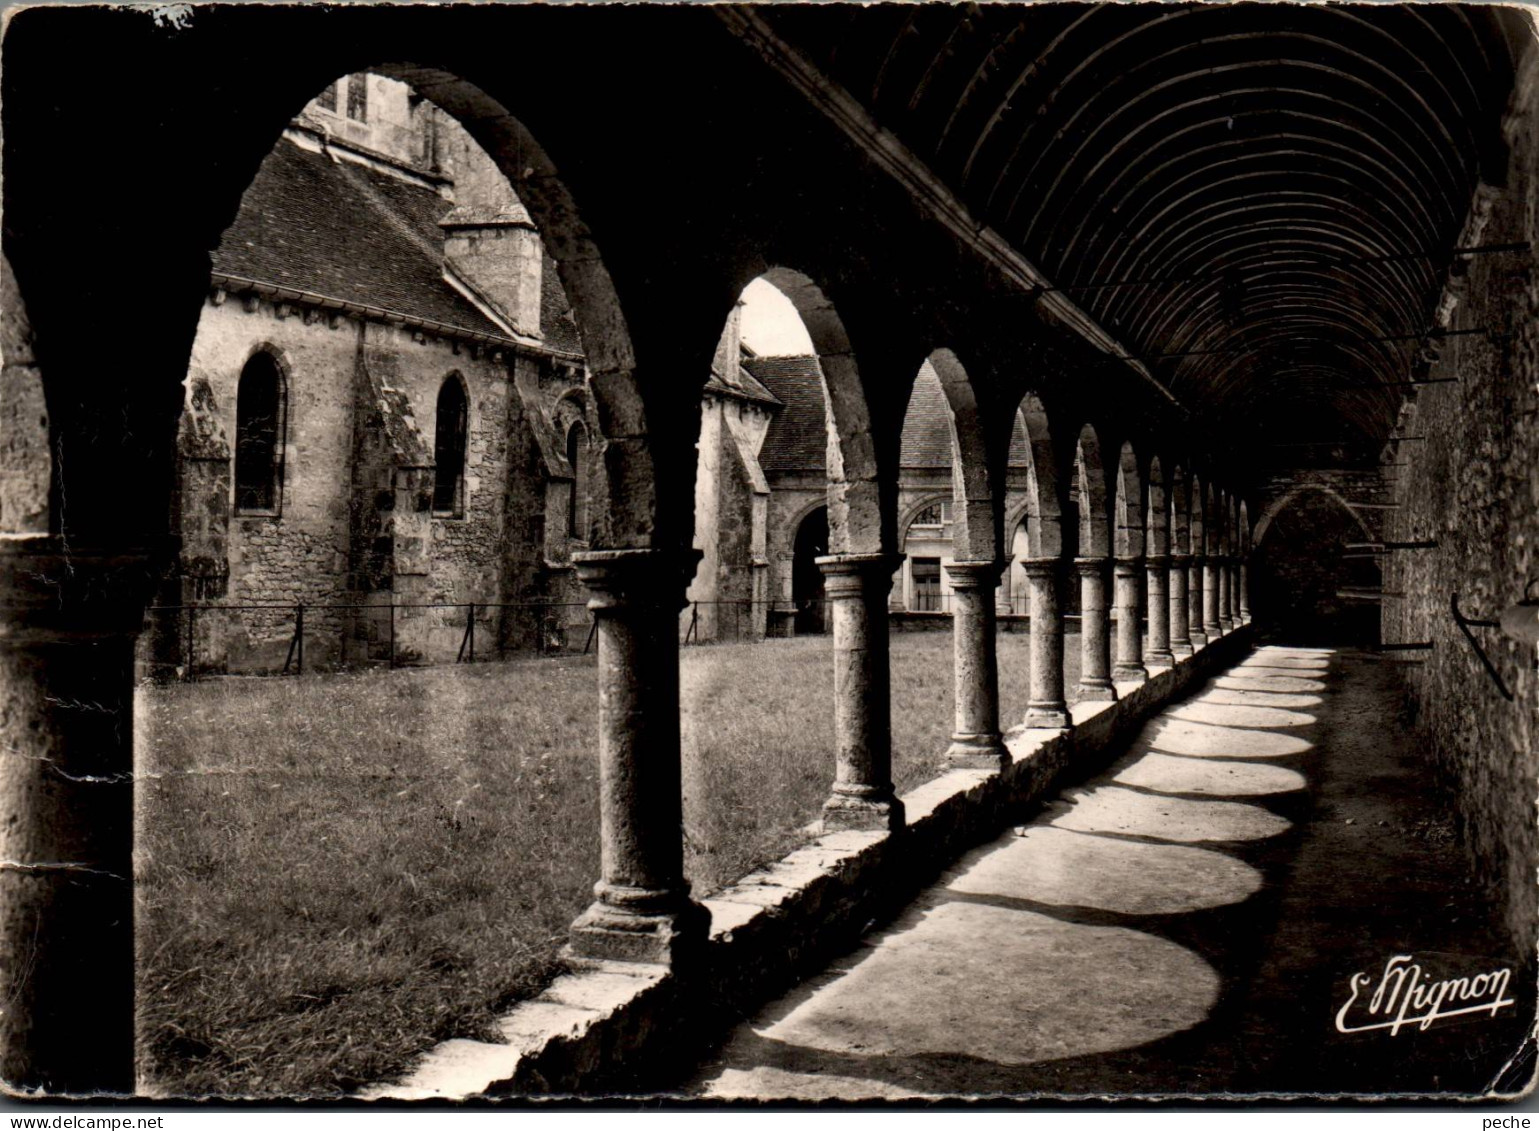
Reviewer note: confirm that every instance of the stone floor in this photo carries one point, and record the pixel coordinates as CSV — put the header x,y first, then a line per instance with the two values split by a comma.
x,y
1185,922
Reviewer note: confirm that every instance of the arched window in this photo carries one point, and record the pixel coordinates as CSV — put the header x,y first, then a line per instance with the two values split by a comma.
x,y
259,421
449,448
577,457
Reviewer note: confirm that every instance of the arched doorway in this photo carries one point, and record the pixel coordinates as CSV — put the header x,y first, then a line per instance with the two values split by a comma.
x,y
1306,587
806,578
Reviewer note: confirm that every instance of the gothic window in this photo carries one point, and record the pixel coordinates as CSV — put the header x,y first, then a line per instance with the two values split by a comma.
x,y
259,419
577,457
328,98
358,98
449,448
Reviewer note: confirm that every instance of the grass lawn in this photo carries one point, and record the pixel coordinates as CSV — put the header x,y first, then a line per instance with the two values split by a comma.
x,y
335,872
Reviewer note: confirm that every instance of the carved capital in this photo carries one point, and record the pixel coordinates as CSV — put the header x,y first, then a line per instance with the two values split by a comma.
x,y
858,576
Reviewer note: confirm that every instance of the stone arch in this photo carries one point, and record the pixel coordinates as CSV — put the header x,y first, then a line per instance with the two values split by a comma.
x,y
1245,540
809,541
1197,514
626,492
974,533
1277,506
1129,540
854,489
1180,512
1157,512
1090,491
1213,521
1044,514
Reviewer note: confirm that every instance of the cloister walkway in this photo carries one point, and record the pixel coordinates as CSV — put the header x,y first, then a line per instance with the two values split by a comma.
x,y
1187,921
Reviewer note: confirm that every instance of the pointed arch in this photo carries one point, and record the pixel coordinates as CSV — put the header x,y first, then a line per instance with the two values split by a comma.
x,y
451,431
625,493
1277,506
1129,542
975,531
1089,490
1157,511
1180,512
1044,514
854,492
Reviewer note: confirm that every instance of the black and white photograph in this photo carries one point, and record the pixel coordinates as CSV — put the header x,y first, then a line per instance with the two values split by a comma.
x,y
786,556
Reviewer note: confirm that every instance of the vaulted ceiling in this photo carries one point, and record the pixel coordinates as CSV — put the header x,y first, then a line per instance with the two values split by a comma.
x,y
1259,201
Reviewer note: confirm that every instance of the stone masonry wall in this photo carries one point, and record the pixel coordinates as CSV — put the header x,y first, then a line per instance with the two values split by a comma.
x,y
1473,485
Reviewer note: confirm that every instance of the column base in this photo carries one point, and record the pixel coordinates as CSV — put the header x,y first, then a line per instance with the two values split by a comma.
x,y
1162,659
977,752
1097,691
604,933
1227,625
1129,673
1051,716
1181,648
1212,631
862,814
1199,640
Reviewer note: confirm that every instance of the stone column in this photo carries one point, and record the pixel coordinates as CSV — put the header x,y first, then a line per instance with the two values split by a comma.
x,y
1130,664
68,622
1180,624
1244,591
643,912
1157,649
856,588
1211,626
1226,594
1196,601
1094,632
1046,706
976,742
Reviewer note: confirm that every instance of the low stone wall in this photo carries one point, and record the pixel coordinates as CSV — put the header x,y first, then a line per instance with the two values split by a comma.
x,y
629,1028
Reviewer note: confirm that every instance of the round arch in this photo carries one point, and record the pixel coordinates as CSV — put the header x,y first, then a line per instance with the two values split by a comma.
x,y
1044,514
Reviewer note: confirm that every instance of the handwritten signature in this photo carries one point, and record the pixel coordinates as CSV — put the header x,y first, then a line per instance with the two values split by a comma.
x,y
1405,996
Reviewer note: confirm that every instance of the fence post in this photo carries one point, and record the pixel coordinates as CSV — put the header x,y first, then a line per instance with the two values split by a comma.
x,y
472,630
392,631
192,612
299,634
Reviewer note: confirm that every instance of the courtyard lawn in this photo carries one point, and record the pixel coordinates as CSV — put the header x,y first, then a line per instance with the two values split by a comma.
x,y
337,871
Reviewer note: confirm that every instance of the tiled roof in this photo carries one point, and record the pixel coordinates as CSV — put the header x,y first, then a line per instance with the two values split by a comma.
x,y
349,232
797,438
926,438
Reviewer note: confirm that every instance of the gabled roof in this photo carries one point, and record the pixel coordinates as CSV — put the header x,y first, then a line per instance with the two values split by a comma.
x,y
350,232
926,438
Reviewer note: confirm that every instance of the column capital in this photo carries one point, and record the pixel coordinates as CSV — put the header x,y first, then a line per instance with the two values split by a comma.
x,y
847,576
1041,567
649,575
975,575
52,591
1128,566
1157,561
1180,561
1090,567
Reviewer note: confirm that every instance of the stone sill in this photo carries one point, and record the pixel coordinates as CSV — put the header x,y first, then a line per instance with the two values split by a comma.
x,y
599,1030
